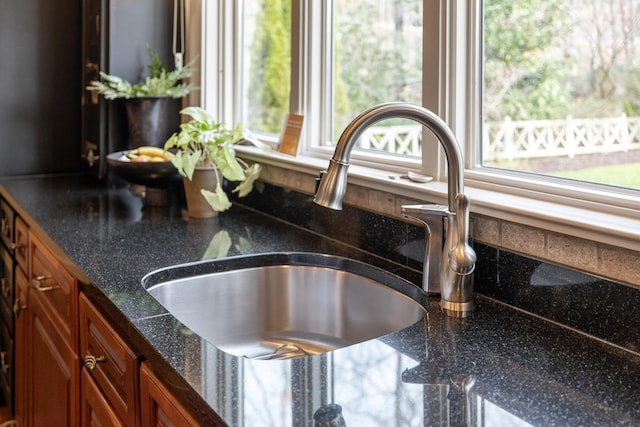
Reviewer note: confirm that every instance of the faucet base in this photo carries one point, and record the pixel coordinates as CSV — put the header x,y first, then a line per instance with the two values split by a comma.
x,y
457,309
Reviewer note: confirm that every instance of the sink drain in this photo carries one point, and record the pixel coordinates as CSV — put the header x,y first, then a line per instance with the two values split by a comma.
x,y
282,352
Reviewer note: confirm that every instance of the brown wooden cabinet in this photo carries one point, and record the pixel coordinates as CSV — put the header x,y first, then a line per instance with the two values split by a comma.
x,y
110,370
159,406
53,383
48,372
71,367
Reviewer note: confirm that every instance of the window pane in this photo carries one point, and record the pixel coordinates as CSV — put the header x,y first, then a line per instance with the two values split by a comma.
x,y
378,58
562,89
266,61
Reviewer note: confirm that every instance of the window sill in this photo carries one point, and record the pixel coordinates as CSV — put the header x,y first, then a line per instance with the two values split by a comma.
x,y
610,227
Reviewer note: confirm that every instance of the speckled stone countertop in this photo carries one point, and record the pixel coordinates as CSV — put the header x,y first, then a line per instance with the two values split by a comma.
x,y
499,366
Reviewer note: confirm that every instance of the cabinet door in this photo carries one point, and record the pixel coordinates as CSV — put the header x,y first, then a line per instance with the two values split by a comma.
x,y
53,383
95,410
110,363
52,362
22,340
159,407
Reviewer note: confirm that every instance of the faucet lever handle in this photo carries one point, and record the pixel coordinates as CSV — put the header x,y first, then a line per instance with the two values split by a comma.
x,y
424,213
318,179
462,258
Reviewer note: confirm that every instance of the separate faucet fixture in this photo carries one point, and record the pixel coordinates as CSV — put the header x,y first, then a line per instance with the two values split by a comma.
x,y
448,264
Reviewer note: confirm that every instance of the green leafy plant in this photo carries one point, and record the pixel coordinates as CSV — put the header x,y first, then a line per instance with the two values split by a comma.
x,y
204,142
159,82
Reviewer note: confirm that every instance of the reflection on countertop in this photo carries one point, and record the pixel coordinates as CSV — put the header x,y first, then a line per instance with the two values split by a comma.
x,y
499,364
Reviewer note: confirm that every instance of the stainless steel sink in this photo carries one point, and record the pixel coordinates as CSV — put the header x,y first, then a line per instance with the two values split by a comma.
x,y
286,305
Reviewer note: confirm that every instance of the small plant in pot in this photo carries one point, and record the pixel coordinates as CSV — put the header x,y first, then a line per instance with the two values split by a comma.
x,y
203,154
146,100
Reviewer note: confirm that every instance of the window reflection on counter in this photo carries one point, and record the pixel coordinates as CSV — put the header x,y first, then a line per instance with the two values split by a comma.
x,y
373,382
367,383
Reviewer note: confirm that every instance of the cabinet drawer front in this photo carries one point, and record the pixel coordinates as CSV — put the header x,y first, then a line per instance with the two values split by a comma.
x,y
6,287
56,288
22,244
109,361
6,224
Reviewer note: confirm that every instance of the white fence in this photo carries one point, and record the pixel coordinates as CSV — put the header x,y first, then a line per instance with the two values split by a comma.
x,y
555,138
530,139
406,139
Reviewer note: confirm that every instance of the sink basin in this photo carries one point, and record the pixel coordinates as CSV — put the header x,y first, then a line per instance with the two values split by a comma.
x,y
286,305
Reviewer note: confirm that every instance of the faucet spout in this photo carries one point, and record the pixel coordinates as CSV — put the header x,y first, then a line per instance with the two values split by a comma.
x,y
454,259
332,187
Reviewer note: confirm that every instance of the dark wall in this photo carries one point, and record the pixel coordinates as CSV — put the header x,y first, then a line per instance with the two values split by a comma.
x,y
41,73
40,50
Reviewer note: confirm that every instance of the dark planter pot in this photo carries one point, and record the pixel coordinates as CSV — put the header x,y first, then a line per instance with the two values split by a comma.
x,y
146,118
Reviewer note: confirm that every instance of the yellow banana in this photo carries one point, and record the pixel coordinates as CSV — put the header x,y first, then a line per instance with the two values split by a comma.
x,y
151,151
147,151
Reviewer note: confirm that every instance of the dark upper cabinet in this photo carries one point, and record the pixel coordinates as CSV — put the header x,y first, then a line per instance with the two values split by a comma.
x,y
115,36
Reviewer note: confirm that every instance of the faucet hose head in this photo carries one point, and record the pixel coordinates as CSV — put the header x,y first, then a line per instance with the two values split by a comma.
x,y
332,185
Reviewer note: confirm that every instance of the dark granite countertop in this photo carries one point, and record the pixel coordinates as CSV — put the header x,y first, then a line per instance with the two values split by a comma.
x,y
499,366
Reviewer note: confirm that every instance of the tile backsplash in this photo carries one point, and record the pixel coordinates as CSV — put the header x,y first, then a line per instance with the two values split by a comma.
x,y
591,257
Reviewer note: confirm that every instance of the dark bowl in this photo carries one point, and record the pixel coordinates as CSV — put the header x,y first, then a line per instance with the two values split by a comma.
x,y
150,174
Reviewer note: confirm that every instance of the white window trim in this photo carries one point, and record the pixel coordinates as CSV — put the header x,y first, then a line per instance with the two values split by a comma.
x,y
587,212
609,225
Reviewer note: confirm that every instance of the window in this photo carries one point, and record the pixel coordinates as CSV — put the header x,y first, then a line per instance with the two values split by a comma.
x,y
538,93
342,67
560,89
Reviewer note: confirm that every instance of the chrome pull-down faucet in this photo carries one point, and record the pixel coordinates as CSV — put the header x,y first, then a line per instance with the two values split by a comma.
x,y
448,265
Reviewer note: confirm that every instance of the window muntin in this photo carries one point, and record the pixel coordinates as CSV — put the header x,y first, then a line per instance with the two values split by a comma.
x,y
561,81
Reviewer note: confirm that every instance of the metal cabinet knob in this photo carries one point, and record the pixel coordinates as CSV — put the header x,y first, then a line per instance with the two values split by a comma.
x,y
16,246
4,227
4,285
3,364
39,284
18,307
91,361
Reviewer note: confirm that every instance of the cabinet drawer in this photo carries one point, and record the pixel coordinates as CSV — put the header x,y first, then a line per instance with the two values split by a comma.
x,y
110,362
22,244
6,224
6,287
56,288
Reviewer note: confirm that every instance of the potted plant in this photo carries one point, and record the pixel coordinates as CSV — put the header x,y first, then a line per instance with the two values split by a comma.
x,y
203,154
146,101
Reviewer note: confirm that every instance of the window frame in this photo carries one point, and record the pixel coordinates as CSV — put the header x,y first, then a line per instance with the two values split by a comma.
x,y
452,89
